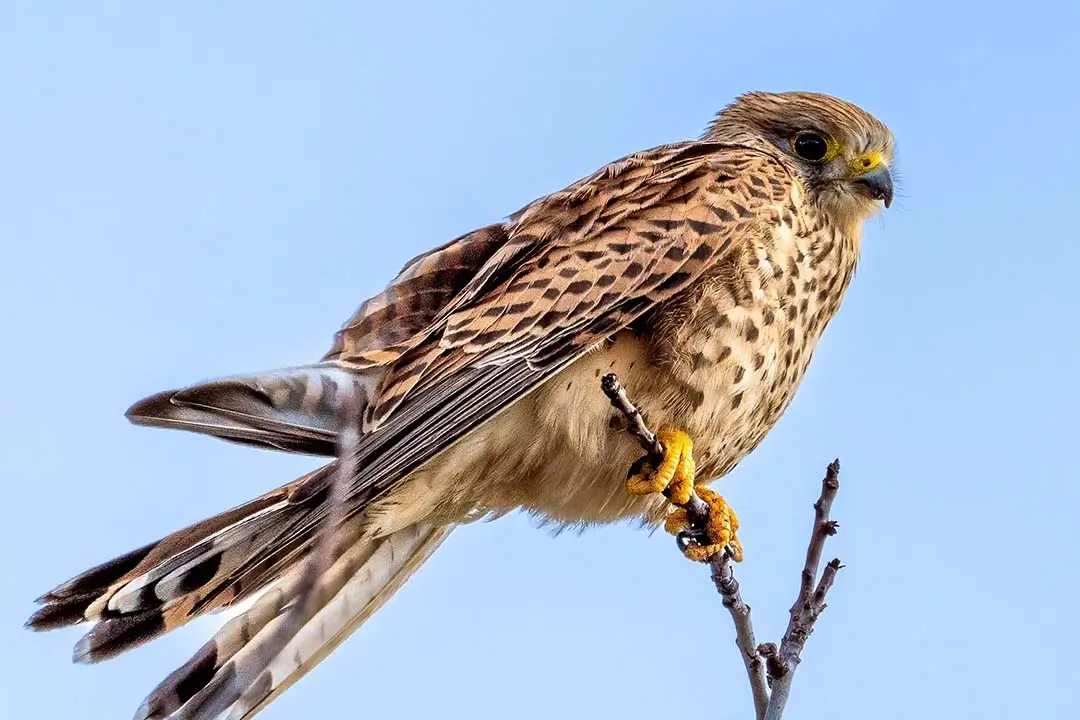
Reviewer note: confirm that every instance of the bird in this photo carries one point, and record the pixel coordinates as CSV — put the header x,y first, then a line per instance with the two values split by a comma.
x,y
702,273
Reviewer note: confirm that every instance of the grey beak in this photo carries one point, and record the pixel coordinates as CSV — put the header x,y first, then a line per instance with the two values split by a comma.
x,y
877,184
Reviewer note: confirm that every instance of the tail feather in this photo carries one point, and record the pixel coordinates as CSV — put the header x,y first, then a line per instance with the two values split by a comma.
x,y
301,548
194,567
62,611
117,635
150,591
97,579
293,409
257,655
394,561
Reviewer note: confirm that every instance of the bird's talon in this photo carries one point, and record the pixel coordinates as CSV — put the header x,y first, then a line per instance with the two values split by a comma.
x,y
688,538
718,535
674,476
642,478
676,523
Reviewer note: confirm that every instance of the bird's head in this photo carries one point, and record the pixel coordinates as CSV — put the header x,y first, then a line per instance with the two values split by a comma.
x,y
842,153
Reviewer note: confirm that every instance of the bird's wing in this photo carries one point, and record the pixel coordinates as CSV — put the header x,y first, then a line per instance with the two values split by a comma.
x,y
469,328
574,268
388,324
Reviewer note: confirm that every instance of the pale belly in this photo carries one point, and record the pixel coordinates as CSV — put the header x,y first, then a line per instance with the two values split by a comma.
x,y
556,453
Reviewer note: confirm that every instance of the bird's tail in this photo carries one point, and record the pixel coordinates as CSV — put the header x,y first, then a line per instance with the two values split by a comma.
x,y
217,562
257,549
257,655
301,551
296,409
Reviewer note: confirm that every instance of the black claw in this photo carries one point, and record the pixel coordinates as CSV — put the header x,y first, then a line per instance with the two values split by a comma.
x,y
682,540
638,467
689,535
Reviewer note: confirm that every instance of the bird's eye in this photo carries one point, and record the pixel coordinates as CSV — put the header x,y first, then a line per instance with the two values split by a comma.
x,y
810,146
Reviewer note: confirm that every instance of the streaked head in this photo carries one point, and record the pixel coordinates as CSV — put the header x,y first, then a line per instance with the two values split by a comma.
x,y
842,153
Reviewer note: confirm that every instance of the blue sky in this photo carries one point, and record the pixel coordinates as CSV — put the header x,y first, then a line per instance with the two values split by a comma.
x,y
207,188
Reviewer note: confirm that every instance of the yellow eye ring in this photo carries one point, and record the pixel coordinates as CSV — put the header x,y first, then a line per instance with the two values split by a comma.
x,y
813,147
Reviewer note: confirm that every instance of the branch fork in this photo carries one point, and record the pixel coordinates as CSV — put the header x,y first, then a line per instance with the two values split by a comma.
x,y
770,667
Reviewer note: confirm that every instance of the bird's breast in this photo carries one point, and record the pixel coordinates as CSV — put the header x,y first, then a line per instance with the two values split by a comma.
x,y
742,345
722,363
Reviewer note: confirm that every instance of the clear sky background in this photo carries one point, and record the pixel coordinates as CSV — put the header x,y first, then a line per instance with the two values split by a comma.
x,y
191,190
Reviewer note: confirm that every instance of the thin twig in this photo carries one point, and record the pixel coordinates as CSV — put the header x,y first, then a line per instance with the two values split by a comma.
x,y
811,599
635,422
823,529
697,511
728,586
723,575
769,668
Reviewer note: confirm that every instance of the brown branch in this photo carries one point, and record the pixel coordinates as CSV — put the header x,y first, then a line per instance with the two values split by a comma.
x,y
769,668
635,422
728,586
811,599
697,511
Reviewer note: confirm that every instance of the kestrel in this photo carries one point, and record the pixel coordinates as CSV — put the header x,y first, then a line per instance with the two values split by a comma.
x,y
702,273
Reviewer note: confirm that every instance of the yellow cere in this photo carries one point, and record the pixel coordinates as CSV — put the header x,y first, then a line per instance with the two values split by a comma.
x,y
867,162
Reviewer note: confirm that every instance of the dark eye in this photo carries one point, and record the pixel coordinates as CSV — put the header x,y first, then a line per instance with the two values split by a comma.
x,y
810,146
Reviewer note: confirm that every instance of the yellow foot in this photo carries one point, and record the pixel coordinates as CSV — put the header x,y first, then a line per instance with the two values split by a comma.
x,y
718,533
675,475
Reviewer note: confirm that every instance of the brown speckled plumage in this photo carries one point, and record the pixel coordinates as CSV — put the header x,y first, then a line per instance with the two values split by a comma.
x,y
703,273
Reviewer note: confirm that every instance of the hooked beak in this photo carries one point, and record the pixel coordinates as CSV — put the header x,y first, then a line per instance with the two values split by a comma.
x,y
877,183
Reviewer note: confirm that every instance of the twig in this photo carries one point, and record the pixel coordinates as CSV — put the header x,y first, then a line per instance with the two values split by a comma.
x,y
769,668
723,577
697,511
811,599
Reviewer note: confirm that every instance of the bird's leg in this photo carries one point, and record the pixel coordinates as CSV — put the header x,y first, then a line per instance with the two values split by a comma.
x,y
701,534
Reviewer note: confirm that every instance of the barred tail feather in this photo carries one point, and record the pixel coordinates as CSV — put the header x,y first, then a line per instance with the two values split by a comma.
x,y
260,653
148,592
292,409
394,562
302,549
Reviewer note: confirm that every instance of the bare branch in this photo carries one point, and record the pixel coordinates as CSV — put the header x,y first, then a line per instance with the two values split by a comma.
x,y
811,599
723,575
769,668
823,529
635,422
697,511
724,578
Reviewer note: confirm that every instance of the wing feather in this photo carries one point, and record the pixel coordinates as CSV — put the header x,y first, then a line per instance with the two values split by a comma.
x,y
569,271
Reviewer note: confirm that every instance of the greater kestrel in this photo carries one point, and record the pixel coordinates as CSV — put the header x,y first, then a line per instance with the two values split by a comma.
x,y
702,272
